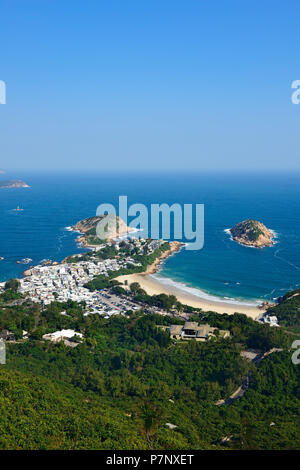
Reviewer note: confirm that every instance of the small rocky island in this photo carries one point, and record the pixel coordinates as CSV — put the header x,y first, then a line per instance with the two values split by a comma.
x,y
115,227
13,184
252,233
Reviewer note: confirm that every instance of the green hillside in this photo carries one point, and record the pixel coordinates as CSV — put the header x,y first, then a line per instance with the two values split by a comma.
x,y
127,379
288,310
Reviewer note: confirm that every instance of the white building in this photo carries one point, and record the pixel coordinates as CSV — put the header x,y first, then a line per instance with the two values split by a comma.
x,y
61,335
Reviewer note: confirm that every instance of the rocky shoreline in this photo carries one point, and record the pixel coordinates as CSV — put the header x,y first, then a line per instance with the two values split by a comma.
x,y
154,267
252,233
13,184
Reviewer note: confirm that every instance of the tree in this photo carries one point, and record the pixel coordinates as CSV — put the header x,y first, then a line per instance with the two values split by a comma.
x,y
247,435
135,287
150,417
12,284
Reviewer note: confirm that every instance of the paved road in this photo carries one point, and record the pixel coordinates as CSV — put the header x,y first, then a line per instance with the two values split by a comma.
x,y
240,391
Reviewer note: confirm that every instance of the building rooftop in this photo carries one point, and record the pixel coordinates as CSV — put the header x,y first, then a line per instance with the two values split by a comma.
x,y
192,330
175,329
190,325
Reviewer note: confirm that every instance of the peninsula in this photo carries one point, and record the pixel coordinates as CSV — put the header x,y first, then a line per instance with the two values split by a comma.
x,y
114,227
13,184
252,233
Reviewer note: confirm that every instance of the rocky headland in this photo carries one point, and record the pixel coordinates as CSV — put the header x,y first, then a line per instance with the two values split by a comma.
x,y
13,184
252,233
114,227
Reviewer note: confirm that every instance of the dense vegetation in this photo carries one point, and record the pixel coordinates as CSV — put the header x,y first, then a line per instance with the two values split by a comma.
x,y
288,310
249,227
145,259
119,387
253,233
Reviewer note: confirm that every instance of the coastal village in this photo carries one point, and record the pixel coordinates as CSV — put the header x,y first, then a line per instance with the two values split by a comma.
x,y
61,282
43,284
65,281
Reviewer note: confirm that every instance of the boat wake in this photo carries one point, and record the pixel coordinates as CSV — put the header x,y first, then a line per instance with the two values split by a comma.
x,y
285,260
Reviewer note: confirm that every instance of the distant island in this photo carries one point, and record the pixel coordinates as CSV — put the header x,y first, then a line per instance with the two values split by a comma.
x,y
115,227
13,184
252,233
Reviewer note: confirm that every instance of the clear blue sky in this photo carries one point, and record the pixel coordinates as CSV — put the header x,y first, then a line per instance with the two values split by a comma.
x,y
136,84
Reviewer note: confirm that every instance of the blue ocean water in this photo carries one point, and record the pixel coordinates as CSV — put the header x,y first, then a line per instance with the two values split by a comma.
x,y
222,268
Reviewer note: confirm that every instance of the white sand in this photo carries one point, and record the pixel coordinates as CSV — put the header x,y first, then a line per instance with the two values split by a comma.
x,y
152,286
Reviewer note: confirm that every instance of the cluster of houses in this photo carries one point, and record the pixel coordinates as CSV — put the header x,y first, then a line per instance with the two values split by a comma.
x,y
142,245
192,330
62,282
45,284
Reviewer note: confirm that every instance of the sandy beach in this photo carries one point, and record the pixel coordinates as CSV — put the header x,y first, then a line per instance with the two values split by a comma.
x,y
153,286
